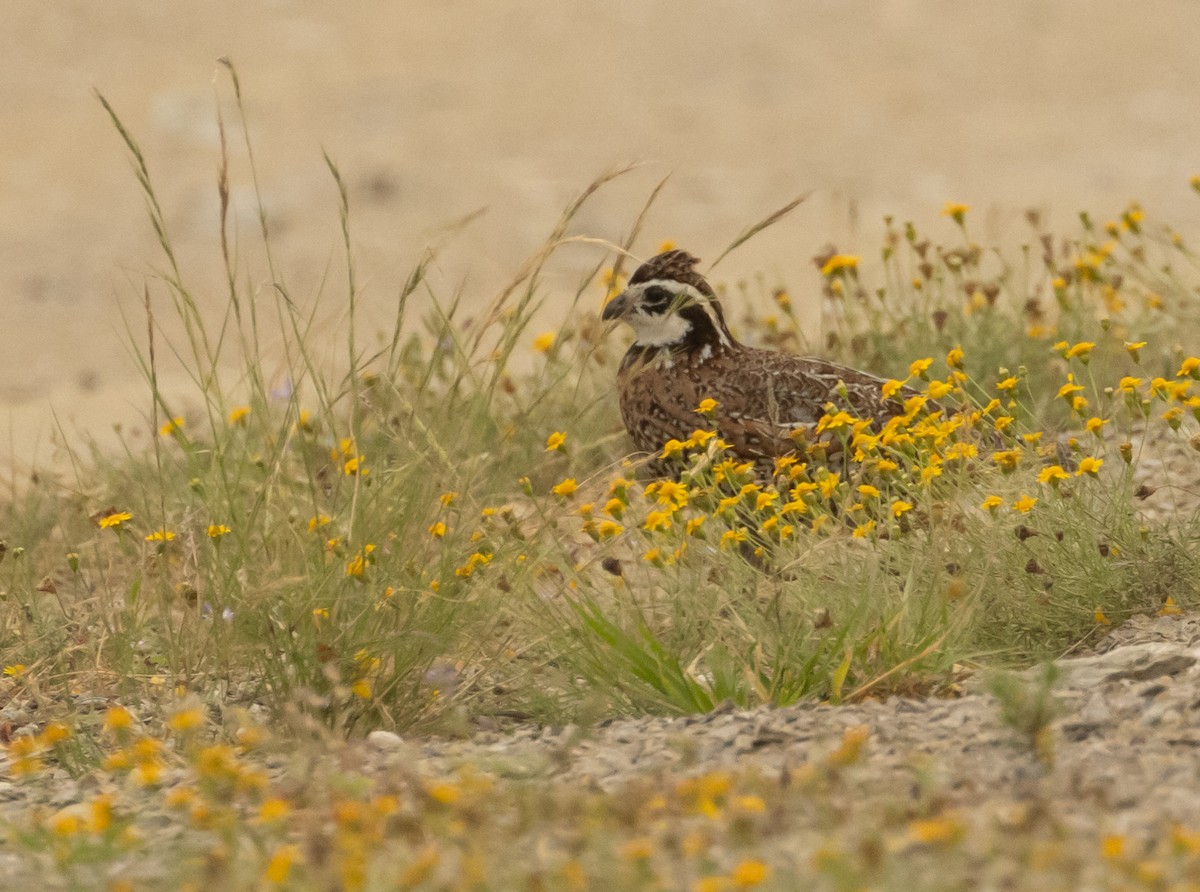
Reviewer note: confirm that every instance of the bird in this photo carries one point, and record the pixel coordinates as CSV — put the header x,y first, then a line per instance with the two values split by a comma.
x,y
767,404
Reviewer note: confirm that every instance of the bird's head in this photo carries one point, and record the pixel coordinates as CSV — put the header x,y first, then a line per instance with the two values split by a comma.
x,y
670,305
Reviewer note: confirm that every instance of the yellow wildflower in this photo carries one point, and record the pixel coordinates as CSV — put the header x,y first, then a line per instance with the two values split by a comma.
x,y
217,530
554,442
671,447
803,488
955,210
946,830
863,530
357,565
238,415
765,500
543,342
852,747
991,503
565,488
279,867
838,263
746,874
1128,384
657,520
837,420
729,502
706,407
939,389
738,535
114,520
117,718
65,823
437,529
749,804
1024,504
919,367
1189,368
1082,350
891,388
170,426
1132,348
1007,384
1007,460
1100,618
186,720
162,535
900,506
954,359
1052,475
1089,465
100,813
1069,389
1170,608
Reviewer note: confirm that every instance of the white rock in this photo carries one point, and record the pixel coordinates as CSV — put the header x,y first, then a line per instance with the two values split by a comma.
x,y
385,741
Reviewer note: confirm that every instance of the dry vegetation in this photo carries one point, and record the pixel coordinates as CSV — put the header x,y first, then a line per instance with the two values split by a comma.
x,y
433,540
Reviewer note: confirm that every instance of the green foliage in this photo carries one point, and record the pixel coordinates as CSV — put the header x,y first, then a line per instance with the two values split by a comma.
x,y
1027,706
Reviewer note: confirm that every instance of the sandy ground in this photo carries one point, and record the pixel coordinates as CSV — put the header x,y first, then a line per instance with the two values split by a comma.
x,y
433,111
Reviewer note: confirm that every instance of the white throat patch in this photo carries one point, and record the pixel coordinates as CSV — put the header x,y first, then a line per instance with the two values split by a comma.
x,y
657,330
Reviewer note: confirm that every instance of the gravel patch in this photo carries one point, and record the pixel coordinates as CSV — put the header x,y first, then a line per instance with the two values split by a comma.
x,y
1126,740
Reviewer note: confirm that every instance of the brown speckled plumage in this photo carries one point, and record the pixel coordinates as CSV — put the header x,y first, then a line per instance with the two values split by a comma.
x,y
683,353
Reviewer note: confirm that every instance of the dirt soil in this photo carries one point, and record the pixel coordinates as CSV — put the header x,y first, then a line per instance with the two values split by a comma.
x,y
433,111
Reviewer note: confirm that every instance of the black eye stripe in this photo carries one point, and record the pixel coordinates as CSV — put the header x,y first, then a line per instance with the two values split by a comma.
x,y
656,298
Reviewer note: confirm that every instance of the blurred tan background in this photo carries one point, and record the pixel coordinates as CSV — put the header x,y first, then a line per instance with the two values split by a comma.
x,y
435,110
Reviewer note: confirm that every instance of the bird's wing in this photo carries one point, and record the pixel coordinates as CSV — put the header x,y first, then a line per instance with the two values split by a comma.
x,y
773,402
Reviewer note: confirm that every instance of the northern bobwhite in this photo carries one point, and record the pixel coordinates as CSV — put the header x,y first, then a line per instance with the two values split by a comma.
x,y
683,353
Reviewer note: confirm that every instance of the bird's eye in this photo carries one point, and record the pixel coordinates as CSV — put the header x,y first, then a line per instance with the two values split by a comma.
x,y
657,299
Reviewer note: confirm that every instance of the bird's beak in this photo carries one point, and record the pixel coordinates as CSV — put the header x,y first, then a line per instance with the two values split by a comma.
x,y
616,307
